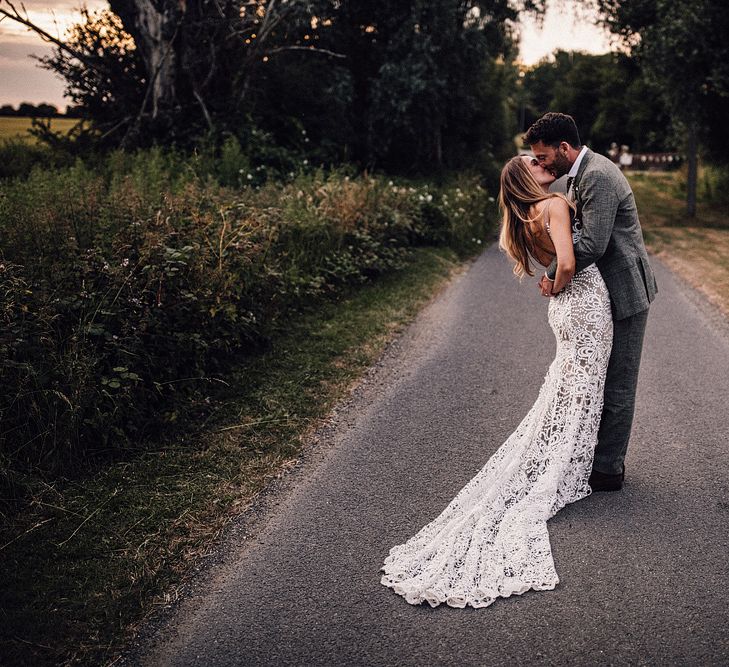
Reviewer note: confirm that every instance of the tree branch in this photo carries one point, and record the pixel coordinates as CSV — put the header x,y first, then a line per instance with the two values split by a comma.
x,y
313,49
46,37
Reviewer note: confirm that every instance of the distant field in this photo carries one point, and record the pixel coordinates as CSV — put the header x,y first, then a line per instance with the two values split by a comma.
x,y
12,126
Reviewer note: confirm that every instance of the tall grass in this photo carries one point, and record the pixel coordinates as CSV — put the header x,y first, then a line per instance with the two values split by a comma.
x,y
129,285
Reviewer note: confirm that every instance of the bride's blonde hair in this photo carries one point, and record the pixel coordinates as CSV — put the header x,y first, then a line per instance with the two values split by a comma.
x,y
519,192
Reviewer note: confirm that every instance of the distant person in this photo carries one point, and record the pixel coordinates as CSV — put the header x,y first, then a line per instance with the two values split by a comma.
x,y
613,152
625,160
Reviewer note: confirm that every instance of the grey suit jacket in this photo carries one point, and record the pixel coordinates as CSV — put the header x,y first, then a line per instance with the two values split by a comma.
x,y
611,235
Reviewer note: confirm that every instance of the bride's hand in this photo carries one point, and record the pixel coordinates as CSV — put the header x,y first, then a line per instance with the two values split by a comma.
x,y
545,286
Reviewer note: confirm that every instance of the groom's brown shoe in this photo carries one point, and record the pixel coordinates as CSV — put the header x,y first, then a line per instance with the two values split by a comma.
x,y
601,481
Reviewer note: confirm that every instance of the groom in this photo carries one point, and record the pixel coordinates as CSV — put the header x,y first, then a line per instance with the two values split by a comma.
x,y
611,238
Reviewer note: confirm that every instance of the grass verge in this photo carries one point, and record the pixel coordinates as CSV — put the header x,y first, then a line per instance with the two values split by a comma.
x,y
90,559
697,250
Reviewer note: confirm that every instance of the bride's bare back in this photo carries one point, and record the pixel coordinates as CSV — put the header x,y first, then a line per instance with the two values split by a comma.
x,y
541,247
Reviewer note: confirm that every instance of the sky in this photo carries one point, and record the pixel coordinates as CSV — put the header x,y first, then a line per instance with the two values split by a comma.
x,y
22,80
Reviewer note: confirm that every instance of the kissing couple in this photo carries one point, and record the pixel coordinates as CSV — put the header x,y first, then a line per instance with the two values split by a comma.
x,y
491,540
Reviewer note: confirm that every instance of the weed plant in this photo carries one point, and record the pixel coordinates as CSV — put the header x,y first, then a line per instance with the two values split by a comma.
x,y
128,286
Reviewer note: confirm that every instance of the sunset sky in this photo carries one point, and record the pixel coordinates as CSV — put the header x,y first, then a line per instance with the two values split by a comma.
x,y
22,80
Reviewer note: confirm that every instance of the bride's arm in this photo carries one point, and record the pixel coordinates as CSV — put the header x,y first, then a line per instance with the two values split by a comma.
x,y
560,229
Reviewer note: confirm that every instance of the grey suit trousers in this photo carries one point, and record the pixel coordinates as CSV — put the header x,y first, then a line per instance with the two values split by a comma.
x,y
620,385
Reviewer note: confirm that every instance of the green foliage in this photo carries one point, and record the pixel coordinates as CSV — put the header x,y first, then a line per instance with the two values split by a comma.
x,y
428,89
608,95
18,157
411,88
684,55
714,184
130,286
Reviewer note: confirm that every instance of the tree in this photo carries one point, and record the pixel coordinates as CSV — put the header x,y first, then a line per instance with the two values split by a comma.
x,y
183,68
428,79
607,94
682,49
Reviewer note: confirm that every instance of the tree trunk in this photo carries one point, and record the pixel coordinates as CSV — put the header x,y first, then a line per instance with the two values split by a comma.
x,y
692,159
153,25
438,146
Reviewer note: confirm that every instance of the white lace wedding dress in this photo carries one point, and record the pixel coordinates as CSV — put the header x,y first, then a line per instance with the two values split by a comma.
x,y
492,539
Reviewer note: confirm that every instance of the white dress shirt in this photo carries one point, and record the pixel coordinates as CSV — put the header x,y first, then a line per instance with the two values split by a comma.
x,y
573,172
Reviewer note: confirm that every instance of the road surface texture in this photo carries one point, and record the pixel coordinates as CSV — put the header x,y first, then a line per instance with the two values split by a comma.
x,y
643,572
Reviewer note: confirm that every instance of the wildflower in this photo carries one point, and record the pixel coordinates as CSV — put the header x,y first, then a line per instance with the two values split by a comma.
x,y
306,161
249,177
478,241
125,261
428,197
491,199
390,183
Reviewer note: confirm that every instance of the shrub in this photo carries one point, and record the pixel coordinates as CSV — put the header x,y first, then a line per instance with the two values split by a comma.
x,y
128,288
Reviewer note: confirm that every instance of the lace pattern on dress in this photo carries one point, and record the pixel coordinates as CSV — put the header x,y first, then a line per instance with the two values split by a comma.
x,y
491,540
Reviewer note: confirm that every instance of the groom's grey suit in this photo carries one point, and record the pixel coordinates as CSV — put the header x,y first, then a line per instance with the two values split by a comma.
x,y
612,239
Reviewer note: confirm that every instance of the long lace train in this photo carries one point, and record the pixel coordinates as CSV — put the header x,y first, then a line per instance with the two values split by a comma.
x,y
492,540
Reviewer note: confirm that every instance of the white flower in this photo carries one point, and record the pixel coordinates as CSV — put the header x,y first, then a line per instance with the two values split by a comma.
x,y
306,161
429,198
491,199
390,183
240,171
125,261
249,177
478,241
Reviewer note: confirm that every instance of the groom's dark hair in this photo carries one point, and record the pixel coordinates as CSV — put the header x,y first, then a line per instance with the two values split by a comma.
x,y
552,129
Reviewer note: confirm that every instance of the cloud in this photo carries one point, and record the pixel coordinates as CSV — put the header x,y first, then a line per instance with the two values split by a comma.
x,y
22,77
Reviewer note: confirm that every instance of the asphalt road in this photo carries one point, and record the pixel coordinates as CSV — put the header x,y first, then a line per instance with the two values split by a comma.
x,y
643,572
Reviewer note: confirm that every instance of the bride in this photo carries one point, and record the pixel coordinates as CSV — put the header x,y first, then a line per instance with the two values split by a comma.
x,y
492,540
